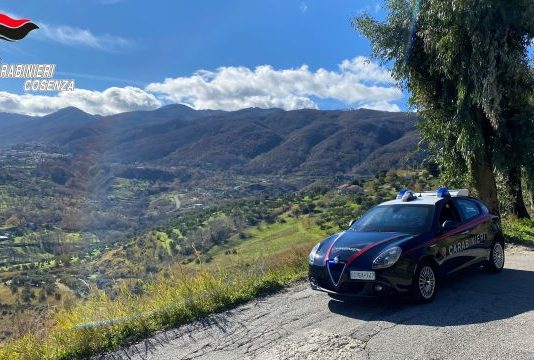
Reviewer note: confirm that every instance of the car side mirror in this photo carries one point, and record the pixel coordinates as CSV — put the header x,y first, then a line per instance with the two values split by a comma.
x,y
352,222
449,225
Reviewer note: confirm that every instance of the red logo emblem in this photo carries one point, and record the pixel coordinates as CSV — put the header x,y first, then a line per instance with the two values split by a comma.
x,y
13,29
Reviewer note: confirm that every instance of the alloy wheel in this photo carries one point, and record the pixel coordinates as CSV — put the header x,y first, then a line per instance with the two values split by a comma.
x,y
498,255
427,282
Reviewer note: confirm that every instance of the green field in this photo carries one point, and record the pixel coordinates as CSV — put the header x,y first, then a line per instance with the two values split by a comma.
x,y
265,241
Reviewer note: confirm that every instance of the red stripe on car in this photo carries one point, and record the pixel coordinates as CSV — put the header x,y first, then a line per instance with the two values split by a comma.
x,y
331,246
458,230
351,259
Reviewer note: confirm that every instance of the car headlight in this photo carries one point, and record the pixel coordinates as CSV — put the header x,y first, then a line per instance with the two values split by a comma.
x,y
311,258
387,258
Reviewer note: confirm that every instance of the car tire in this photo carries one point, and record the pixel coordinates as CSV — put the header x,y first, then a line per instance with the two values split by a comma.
x,y
495,264
425,282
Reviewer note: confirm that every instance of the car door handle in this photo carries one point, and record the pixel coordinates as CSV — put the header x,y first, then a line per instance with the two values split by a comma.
x,y
465,232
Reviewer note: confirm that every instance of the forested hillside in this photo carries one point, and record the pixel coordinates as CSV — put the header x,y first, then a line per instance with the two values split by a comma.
x,y
250,141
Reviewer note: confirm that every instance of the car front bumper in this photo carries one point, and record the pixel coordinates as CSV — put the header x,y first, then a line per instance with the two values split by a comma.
x,y
387,281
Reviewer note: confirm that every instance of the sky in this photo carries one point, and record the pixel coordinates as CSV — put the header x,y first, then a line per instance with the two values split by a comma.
x,y
127,55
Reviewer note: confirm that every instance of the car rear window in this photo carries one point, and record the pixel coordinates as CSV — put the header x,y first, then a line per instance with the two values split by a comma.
x,y
468,208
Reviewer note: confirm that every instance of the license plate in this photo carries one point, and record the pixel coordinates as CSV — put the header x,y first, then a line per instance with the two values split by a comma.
x,y
362,275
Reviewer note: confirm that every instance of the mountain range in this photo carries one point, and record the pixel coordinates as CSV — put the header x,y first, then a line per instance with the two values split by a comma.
x,y
249,142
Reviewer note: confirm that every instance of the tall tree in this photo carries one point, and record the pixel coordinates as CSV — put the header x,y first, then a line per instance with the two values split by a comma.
x,y
456,58
530,187
515,138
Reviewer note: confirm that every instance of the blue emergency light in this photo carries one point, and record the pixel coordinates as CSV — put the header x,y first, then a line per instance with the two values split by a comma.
x,y
406,195
443,192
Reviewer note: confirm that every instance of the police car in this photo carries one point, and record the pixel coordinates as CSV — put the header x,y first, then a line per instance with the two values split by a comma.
x,y
407,245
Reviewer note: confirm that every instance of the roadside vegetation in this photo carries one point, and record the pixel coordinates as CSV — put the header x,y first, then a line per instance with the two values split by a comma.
x,y
519,231
176,297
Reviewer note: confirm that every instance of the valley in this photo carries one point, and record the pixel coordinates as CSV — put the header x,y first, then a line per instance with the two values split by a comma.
x,y
91,203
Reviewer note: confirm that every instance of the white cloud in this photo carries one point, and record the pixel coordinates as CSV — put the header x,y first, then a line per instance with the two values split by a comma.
x,y
382,105
355,83
303,7
80,37
111,101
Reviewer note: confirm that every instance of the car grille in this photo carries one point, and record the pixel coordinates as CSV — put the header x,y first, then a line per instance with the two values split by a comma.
x,y
335,270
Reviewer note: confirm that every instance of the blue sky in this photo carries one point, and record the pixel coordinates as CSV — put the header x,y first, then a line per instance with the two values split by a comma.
x,y
121,51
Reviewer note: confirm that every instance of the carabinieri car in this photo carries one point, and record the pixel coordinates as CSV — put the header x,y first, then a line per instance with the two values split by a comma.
x,y
407,245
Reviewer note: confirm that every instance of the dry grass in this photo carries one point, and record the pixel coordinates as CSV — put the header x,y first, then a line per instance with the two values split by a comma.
x,y
176,297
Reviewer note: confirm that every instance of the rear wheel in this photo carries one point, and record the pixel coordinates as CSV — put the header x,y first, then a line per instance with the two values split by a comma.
x,y
496,260
424,283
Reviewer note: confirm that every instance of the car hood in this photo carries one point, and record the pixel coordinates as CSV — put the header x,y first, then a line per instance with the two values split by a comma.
x,y
349,243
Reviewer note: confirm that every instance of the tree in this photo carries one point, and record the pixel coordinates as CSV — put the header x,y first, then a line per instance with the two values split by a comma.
x,y
27,294
13,221
458,59
514,140
529,176
529,154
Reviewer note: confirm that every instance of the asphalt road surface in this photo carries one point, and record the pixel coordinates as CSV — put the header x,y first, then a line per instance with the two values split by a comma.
x,y
474,316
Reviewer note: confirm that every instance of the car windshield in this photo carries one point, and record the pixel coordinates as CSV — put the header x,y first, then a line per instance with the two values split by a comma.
x,y
411,219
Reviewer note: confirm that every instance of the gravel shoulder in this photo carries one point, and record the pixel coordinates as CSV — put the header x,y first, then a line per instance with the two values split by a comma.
x,y
475,316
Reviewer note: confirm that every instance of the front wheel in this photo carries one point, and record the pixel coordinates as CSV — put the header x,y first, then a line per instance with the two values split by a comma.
x,y
425,283
496,260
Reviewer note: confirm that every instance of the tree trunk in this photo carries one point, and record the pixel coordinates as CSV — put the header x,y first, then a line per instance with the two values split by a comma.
x,y
484,182
517,207
530,186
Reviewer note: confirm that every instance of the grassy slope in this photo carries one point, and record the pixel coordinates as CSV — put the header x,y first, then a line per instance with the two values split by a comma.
x,y
273,256
264,241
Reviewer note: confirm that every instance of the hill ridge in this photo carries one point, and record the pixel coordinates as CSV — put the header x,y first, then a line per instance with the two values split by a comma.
x,y
247,141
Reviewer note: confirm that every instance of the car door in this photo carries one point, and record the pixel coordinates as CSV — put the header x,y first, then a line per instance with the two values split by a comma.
x,y
478,224
450,242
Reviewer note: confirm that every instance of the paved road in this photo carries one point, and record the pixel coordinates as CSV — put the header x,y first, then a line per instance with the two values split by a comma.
x,y
475,316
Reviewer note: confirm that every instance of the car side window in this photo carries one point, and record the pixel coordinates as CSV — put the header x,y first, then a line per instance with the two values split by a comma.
x,y
448,212
483,207
469,209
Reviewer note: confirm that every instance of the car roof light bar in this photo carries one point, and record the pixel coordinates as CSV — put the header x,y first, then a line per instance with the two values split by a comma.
x,y
443,192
